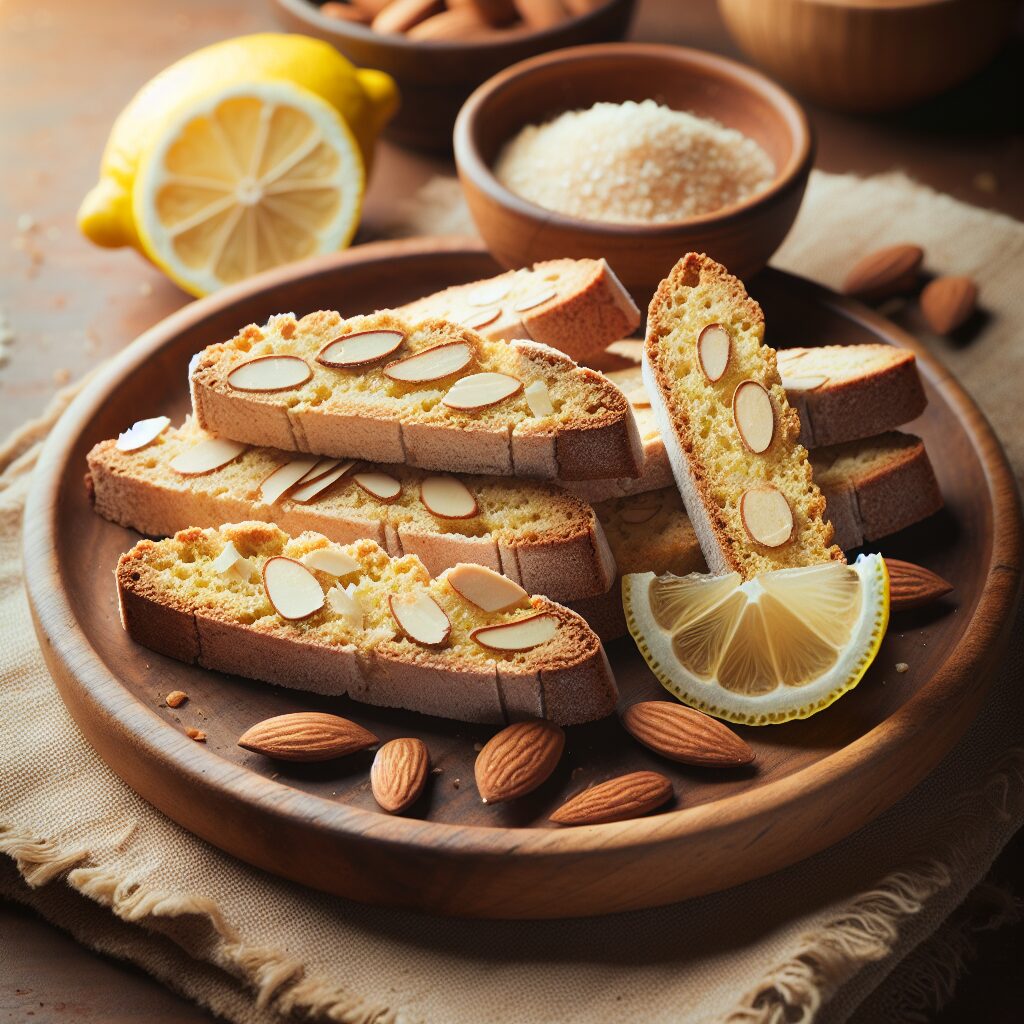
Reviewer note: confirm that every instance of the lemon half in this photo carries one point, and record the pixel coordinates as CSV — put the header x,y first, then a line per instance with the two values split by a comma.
x,y
245,179
783,645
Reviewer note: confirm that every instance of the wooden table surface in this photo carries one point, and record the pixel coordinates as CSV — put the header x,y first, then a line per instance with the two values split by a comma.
x,y
66,69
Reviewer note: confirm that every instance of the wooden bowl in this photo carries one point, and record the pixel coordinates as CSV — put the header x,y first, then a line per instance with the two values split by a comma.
x,y
870,55
812,783
435,78
743,237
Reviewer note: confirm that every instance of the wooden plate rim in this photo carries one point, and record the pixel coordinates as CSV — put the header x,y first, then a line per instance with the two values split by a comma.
x,y
52,613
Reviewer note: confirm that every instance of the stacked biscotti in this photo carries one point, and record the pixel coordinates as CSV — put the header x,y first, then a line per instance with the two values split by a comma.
x,y
445,438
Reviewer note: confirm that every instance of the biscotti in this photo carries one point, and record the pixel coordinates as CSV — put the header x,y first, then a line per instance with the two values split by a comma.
x,y
348,619
728,430
841,393
847,392
545,539
432,395
577,306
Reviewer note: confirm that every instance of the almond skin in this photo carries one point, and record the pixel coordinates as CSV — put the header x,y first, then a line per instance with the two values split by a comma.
x,y
948,302
306,736
911,586
885,272
518,759
628,796
399,773
685,735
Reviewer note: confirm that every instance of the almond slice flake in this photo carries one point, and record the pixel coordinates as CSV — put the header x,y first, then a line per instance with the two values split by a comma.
x,y
380,485
807,383
521,635
359,349
231,563
142,433
538,398
307,492
641,511
320,467
345,603
767,516
714,350
448,498
206,456
479,390
480,318
270,373
754,415
484,588
536,299
639,398
490,294
283,479
331,561
421,619
291,588
431,364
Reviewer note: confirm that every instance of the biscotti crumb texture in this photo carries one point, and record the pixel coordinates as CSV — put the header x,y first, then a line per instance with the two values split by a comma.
x,y
749,494
545,539
577,306
467,412
203,596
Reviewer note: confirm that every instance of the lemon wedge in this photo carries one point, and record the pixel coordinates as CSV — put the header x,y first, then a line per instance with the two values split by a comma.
x,y
247,178
783,645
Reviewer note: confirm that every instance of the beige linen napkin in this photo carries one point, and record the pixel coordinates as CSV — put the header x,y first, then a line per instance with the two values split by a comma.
x,y
811,942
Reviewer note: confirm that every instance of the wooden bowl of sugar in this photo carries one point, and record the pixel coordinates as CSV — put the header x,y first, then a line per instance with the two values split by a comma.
x,y
548,174
870,55
436,71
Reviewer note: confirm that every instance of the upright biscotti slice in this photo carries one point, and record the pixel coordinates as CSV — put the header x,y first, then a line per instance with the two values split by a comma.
x,y
545,539
841,393
728,430
432,395
847,392
577,306
347,619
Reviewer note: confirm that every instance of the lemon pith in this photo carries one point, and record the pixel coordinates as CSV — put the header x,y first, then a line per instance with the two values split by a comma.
x,y
244,180
782,646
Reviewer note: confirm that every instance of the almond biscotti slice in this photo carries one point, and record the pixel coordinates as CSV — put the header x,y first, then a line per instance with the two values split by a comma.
x,y
545,539
841,393
432,395
577,306
847,392
336,619
728,430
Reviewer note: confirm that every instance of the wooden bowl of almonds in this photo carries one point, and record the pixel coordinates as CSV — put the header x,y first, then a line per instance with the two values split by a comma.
x,y
635,153
439,51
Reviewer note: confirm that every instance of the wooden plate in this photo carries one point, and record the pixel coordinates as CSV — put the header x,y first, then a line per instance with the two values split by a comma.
x,y
814,782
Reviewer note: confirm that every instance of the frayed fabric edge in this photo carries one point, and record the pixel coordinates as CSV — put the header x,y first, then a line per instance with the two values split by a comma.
x,y
279,982
866,929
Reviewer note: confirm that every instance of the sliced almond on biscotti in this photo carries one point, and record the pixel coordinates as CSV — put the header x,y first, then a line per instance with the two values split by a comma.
x,y
767,515
330,560
284,478
518,760
521,635
486,589
433,364
360,349
448,497
207,456
142,434
307,492
291,588
270,373
714,350
421,619
306,736
480,390
754,415
382,486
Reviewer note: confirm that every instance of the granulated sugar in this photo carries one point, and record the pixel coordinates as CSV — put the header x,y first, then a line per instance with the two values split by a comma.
x,y
633,163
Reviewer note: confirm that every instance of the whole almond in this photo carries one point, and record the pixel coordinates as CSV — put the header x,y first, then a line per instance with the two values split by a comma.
x,y
911,586
518,759
885,272
628,796
685,735
947,302
399,773
306,736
